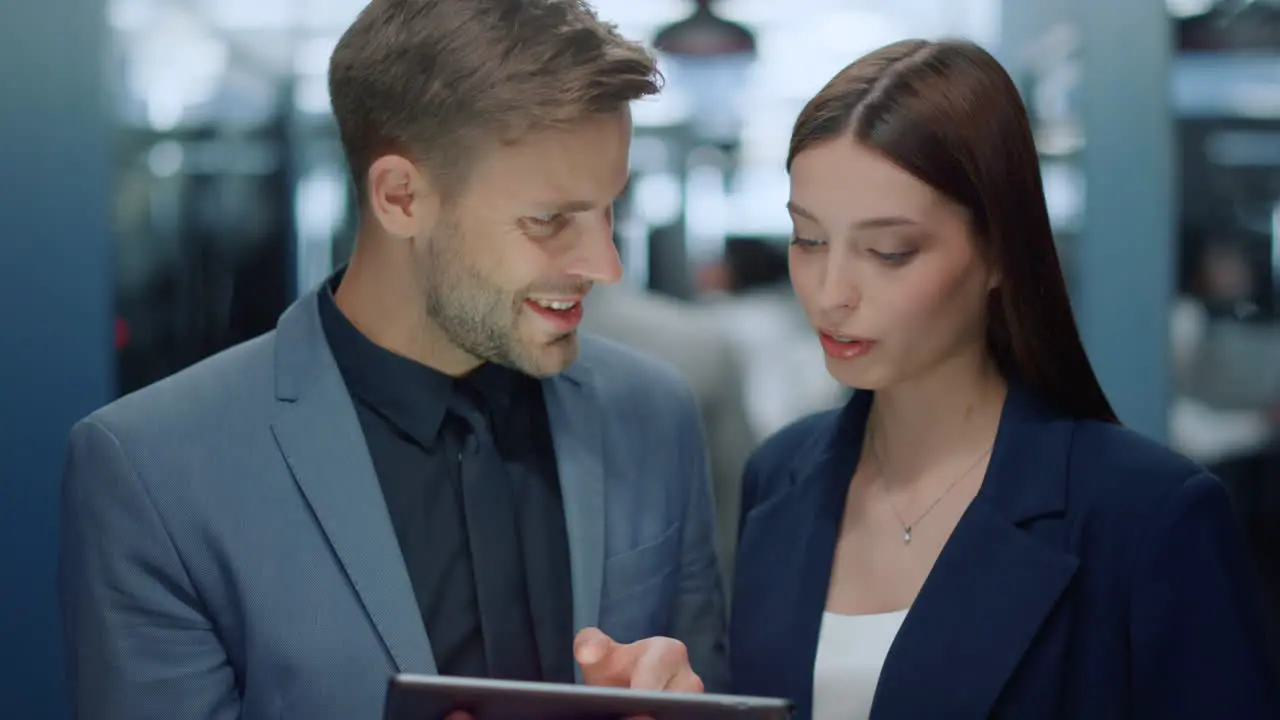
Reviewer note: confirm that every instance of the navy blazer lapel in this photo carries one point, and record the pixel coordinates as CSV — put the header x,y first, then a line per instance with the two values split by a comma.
x,y
320,437
573,411
815,504
994,583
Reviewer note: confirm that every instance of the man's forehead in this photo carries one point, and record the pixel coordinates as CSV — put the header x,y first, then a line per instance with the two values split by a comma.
x,y
602,132
575,168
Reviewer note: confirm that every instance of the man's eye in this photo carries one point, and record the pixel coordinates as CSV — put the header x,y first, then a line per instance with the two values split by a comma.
x,y
544,225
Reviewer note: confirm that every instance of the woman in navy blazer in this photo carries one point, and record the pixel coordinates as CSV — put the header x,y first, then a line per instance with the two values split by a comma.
x,y
974,535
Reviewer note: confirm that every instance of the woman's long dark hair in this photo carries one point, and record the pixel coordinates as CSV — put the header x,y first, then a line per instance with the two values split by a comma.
x,y
949,114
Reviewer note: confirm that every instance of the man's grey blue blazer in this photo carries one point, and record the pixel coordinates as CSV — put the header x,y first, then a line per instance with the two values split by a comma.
x,y
227,553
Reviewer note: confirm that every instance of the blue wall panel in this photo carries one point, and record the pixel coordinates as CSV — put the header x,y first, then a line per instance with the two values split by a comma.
x,y
1121,265
55,312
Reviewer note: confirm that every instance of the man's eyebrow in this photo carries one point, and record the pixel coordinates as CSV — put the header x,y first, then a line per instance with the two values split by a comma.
x,y
574,206
569,207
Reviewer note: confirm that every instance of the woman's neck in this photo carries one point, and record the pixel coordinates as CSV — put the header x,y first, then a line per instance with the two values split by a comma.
x,y
949,415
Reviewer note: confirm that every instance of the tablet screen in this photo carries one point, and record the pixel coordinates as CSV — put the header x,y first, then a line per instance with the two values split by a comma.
x,y
421,697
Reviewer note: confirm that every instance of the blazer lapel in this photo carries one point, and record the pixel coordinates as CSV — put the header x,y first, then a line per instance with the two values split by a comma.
x,y
994,583
983,603
574,413
320,437
814,505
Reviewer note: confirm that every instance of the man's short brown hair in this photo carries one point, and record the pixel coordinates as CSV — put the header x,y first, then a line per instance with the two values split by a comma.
x,y
432,79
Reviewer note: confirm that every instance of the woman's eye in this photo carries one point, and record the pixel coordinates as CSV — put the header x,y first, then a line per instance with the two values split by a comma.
x,y
894,258
805,243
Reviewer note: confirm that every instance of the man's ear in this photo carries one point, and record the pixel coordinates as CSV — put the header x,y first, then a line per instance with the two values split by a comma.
x,y
401,197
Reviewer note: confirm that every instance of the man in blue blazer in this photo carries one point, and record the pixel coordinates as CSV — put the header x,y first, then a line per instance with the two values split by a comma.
x,y
423,469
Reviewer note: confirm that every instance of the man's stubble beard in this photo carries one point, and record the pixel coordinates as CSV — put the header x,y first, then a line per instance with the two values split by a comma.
x,y
479,317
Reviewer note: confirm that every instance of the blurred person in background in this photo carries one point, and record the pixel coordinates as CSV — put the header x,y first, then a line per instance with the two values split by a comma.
x,y
423,468
1226,356
1226,406
974,535
751,299
688,337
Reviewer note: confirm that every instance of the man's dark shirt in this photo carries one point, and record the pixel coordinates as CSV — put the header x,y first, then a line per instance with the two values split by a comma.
x,y
417,445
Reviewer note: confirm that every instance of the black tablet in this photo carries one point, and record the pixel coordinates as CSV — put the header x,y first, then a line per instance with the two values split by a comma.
x,y
421,697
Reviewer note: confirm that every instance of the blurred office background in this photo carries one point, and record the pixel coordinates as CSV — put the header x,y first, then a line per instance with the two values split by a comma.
x,y
170,180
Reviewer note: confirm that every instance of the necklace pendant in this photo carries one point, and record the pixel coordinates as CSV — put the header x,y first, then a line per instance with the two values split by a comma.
x,y
906,536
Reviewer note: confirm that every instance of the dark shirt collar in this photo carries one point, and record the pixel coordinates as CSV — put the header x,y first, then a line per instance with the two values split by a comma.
x,y
412,396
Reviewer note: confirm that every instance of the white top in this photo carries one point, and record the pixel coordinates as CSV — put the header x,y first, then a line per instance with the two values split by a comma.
x,y
851,651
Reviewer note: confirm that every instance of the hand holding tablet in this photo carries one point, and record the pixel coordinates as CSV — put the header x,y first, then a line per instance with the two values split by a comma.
x,y
656,663
651,678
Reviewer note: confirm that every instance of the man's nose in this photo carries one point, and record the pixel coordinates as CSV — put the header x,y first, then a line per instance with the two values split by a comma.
x,y
596,257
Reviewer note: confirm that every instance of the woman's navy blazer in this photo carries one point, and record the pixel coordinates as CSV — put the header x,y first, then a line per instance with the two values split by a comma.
x,y
1096,575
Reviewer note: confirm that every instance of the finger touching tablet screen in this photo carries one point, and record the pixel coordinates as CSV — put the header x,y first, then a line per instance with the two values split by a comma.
x,y
422,697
